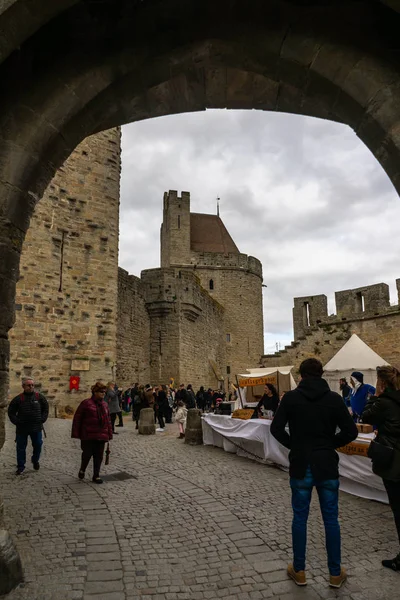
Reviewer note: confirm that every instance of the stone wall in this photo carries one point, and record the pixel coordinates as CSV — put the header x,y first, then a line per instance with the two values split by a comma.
x,y
66,302
240,293
133,331
378,325
186,328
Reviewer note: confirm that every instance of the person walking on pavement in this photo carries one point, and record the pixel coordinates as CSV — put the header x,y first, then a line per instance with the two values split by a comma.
x,y
28,412
383,411
92,425
162,407
180,418
112,400
319,423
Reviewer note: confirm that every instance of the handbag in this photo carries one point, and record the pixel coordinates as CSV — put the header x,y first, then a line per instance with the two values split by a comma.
x,y
380,454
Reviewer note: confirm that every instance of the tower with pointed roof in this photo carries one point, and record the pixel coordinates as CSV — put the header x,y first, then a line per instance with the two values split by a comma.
x,y
201,245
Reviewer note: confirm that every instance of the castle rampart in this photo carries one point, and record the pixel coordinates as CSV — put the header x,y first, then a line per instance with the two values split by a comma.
x,y
133,333
186,328
372,318
219,260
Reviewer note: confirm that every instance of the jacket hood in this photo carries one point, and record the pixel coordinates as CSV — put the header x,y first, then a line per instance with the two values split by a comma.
x,y
313,388
393,395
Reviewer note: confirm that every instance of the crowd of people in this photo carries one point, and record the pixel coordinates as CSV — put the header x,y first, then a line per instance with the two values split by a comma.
x,y
165,400
311,421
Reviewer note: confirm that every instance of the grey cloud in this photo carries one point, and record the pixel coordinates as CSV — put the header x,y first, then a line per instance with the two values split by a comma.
x,y
303,195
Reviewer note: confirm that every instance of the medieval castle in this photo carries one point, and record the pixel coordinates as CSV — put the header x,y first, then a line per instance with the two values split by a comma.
x,y
197,319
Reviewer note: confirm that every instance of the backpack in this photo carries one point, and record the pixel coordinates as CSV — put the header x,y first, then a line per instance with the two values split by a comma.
x,y
22,397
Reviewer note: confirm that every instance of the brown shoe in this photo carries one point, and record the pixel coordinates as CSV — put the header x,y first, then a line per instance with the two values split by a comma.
x,y
336,581
299,577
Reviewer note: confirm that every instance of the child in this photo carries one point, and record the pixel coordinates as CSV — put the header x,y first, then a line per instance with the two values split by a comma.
x,y
180,418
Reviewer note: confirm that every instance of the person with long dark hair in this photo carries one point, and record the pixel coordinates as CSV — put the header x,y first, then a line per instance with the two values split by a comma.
x,y
383,411
269,401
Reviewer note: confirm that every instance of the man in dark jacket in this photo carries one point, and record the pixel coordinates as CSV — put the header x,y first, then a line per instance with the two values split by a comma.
x,y
313,414
28,411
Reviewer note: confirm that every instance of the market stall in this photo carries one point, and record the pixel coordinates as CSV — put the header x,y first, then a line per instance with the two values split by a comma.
x,y
251,384
253,439
355,355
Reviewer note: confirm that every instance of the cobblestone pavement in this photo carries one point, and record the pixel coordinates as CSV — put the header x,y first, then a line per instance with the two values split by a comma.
x,y
194,523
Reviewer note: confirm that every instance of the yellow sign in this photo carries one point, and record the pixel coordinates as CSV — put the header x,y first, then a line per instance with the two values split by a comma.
x,y
357,448
253,381
243,413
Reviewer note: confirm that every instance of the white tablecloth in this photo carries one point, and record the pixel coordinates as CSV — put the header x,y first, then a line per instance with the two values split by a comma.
x,y
253,439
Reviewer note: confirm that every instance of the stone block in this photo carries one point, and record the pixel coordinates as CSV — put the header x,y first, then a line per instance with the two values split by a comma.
x,y
194,431
146,422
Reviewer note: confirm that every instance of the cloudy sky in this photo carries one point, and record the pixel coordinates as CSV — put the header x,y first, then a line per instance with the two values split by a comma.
x,y
303,195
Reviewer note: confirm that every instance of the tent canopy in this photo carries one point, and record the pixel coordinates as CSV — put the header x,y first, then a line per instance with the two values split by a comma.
x,y
255,379
355,355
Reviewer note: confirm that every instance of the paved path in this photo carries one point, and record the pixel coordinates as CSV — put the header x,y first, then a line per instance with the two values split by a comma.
x,y
194,523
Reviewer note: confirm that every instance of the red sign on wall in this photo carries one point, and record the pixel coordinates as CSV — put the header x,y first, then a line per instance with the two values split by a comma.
x,y
74,382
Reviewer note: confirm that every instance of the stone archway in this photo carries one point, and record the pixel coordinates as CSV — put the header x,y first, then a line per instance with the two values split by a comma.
x,y
70,68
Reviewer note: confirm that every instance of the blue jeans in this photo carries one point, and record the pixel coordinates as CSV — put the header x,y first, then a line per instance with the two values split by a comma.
x,y
22,442
328,493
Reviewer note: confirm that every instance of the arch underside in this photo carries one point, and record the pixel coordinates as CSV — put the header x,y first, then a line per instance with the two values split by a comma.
x,y
96,66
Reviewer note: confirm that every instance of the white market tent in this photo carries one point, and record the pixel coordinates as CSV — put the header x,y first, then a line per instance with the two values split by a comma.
x,y
252,383
355,355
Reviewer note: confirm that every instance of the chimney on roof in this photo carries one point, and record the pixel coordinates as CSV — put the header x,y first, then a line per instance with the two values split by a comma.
x,y
218,206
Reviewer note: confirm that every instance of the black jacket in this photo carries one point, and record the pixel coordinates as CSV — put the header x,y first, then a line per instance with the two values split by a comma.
x,y
313,414
28,412
384,413
268,402
162,401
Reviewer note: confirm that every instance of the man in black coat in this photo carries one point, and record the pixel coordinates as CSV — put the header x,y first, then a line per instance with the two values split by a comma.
x,y
28,411
314,414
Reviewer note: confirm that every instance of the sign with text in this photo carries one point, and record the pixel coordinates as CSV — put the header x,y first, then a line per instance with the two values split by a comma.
x,y
357,448
253,381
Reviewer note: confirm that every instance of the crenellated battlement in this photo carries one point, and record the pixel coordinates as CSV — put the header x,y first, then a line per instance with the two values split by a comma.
x,y
219,260
310,312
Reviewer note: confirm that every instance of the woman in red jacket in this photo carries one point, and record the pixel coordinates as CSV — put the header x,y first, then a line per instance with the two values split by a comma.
x,y
92,425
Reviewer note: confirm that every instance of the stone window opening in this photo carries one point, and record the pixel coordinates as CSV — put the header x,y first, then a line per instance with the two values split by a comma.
x,y
179,221
306,314
228,337
360,302
211,284
228,370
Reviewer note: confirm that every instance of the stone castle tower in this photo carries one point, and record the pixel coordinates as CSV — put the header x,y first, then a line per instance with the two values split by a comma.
x,y
202,308
202,244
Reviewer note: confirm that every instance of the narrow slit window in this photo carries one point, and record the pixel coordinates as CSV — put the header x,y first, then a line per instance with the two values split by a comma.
x,y
228,337
360,302
179,221
306,314
211,284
